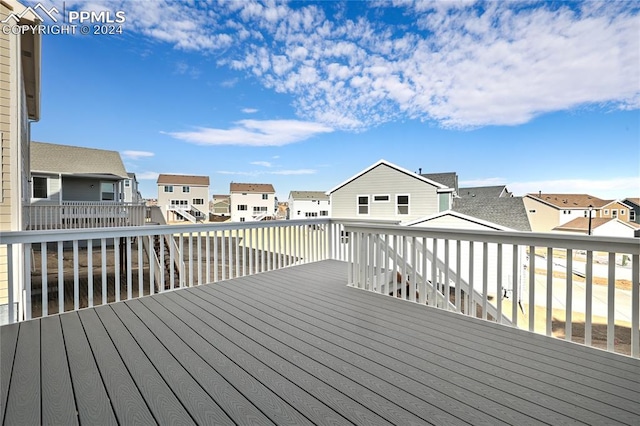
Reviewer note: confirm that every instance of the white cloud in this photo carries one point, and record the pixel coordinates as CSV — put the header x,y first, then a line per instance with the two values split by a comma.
x,y
135,155
255,133
457,64
262,163
147,175
249,110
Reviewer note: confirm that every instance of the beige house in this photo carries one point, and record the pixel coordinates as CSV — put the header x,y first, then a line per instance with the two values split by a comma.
x,y
547,211
184,197
308,204
19,106
385,191
220,205
617,210
601,226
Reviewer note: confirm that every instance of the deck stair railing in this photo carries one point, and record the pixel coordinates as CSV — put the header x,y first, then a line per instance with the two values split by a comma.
x,y
553,284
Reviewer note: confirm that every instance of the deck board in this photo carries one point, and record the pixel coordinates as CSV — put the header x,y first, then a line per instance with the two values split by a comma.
x,y
8,342
58,406
296,346
23,403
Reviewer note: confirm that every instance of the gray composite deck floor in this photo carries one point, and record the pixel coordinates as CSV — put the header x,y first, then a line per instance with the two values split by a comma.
x,y
296,346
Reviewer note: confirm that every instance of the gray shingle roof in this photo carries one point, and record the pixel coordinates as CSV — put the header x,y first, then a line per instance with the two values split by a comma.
x,y
482,191
308,195
75,160
450,179
505,211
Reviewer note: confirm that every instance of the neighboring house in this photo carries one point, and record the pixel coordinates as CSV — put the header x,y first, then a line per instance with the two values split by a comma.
x,y
220,205
600,226
129,190
547,211
183,197
616,210
251,201
497,191
19,106
307,204
458,220
386,191
634,209
72,173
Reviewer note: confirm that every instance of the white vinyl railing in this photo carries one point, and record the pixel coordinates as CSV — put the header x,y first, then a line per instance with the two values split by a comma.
x,y
55,271
83,214
582,288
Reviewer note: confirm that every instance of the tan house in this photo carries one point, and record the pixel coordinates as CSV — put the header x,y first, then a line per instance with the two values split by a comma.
x,y
220,205
184,197
547,211
617,210
19,106
600,226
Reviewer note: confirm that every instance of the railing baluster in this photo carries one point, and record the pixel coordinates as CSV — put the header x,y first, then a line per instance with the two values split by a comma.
x,y
611,303
549,303
244,252
45,290
237,274
103,259
635,306
458,295
60,278
90,273
199,258
434,272
532,287
116,255
190,259
152,264
12,284
27,281
129,267
569,297
515,268
216,243
414,279
588,313
485,278
140,268
170,240
207,250
447,268
499,282
471,307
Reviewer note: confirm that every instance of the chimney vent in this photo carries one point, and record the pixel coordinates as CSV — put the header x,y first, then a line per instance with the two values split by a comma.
x,y
419,170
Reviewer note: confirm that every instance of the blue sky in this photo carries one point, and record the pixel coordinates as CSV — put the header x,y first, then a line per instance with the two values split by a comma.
x,y
303,95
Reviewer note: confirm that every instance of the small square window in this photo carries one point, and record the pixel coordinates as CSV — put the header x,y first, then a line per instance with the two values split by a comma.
x,y
265,196
186,189
363,204
403,204
168,188
40,187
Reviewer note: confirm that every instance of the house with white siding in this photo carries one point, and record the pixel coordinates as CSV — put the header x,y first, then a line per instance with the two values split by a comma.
x,y
183,197
129,191
307,204
19,106
251,201
547,211
385,191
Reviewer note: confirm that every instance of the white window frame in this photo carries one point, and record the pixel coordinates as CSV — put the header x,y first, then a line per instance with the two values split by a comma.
x,y
324,212
368,213
246,207
115,190
168,188
614,213
632,215
186,189
606,212
265,196
623,212
48,180
373,198
408,205
197,201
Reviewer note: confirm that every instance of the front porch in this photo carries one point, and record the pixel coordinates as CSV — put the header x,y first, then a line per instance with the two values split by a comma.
x,y
298,346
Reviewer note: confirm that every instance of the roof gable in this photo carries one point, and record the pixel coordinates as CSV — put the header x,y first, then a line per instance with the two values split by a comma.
x,y
392,166
166,179
308,195
461,216
495,191
265,188
76,160
569,201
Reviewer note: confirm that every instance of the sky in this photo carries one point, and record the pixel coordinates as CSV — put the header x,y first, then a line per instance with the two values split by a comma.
x,y
538,96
